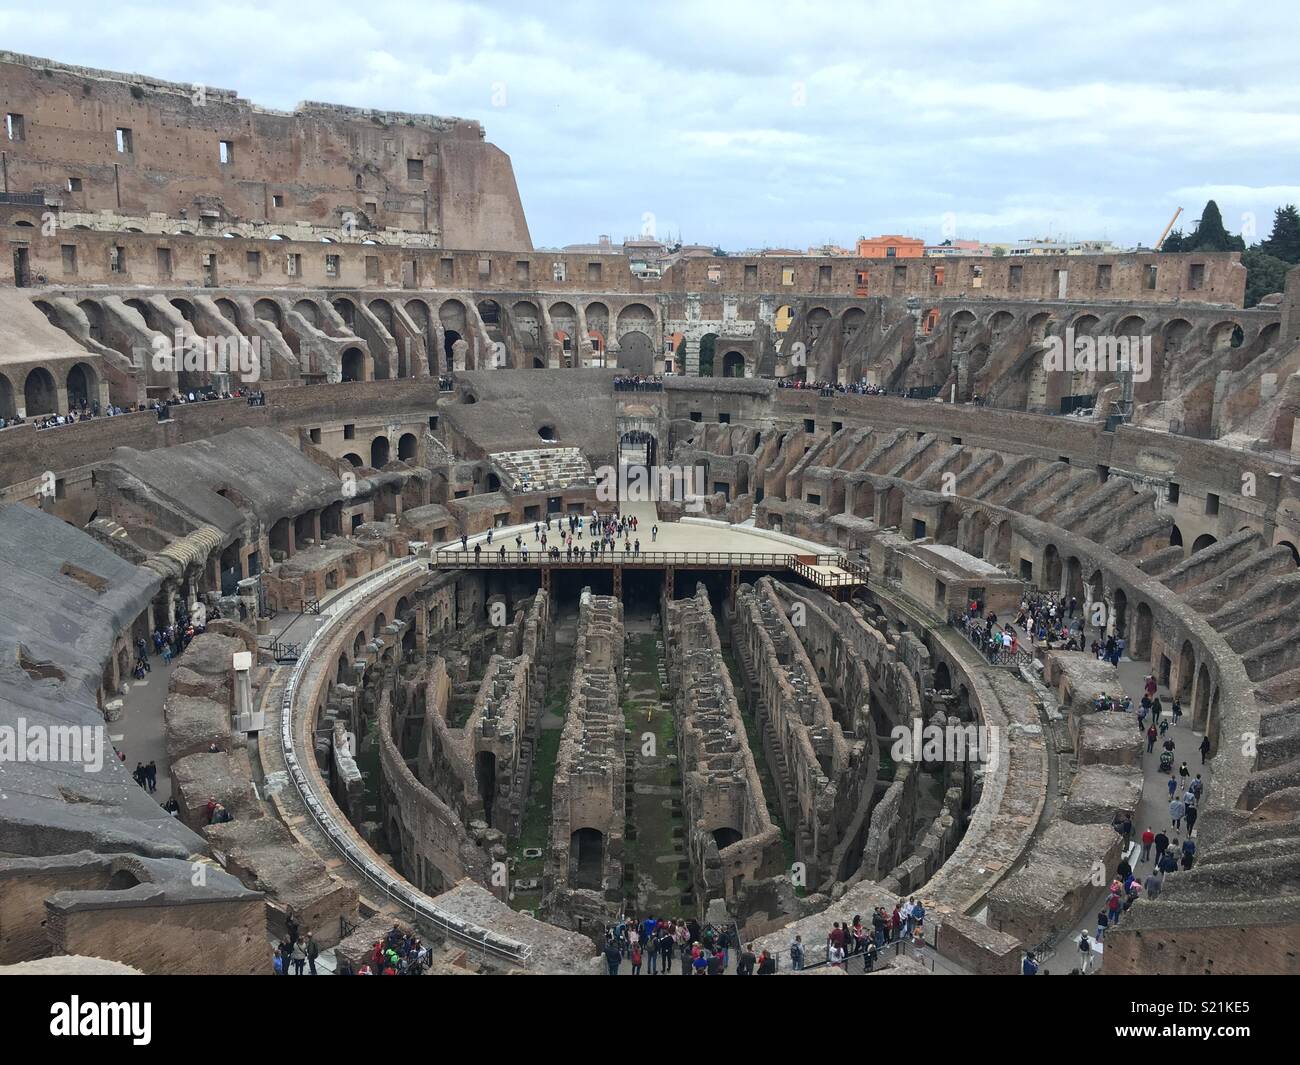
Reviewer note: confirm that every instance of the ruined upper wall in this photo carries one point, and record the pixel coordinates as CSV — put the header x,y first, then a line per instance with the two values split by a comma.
x,y
423,173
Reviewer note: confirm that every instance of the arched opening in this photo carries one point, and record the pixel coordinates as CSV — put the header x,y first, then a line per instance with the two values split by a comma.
x,y
636,353
1074,578
268,311
725,837
380,621
733,364
547,433
231,569
83,388
1140,646
353,364
406,447
7,407
587,859
1175,334
40,396
354,458
1186,671
1119,601
1202,542
1295,555
1175,536
379,452
1201,712
346,310
306,308
942,677
638,448
1052,569
279,538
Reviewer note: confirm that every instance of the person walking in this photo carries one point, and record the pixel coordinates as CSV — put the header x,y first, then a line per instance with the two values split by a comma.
x,y
1148,838
1205,748
299,956
313,952
1177,808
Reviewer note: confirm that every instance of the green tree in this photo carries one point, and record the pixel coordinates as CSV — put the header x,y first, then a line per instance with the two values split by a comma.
x,y
1284,242
1174,242
1265,273
1210,234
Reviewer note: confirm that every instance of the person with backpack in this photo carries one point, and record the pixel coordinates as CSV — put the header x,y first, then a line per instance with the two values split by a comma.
x,y
1085,952
796,954
1029,967
1189,853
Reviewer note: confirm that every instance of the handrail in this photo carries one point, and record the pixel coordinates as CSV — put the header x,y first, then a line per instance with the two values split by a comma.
x,y
484,559
393,888
1001,656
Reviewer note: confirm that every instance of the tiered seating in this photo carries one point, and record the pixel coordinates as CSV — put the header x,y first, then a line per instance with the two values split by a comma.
x,y
543,469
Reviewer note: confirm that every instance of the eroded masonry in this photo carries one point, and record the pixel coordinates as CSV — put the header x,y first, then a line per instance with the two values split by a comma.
x,y
291,409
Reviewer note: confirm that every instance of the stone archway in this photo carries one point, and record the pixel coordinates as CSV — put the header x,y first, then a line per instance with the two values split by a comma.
x,y
40,394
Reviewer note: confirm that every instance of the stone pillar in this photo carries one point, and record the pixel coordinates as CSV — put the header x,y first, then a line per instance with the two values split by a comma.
x,y
242,663
582,342
692,367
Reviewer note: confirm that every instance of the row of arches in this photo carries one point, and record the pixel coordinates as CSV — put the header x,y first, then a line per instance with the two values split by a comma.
x,y
40,391
381,451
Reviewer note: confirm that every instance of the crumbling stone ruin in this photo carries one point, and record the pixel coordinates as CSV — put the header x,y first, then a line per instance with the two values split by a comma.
x,y
730,837
584,878
408,706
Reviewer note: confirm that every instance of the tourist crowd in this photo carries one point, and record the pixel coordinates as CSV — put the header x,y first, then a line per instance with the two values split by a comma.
x,y
551,537
849,939
651,946
639,383
1166,849
88,410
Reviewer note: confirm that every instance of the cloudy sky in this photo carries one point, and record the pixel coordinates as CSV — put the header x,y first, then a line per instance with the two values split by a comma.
x,y
747,124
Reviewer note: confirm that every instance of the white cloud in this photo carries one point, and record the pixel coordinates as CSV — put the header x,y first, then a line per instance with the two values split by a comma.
x,y
764,122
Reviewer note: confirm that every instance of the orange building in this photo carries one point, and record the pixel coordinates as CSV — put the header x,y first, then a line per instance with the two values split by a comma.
x,y
890,247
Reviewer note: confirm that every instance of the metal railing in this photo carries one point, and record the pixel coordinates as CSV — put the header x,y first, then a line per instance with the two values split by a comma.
x,y
518,559
999,655
393,888
818,957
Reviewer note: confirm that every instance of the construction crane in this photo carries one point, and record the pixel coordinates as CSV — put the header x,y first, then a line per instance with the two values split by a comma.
x,y
1160,243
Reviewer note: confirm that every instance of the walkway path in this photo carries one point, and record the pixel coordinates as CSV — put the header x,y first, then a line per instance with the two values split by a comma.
x,y
1153,809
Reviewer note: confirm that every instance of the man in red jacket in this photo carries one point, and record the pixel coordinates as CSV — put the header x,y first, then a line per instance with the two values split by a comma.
x,y
1148,838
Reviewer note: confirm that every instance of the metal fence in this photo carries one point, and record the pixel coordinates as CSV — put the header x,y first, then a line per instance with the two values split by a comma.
x,y
998,655
414,902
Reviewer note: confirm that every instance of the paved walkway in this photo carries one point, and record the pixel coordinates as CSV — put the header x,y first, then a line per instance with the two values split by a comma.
x,y
1153,809
140,732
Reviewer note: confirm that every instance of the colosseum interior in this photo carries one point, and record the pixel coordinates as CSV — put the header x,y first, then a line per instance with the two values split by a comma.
x,y
349,398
